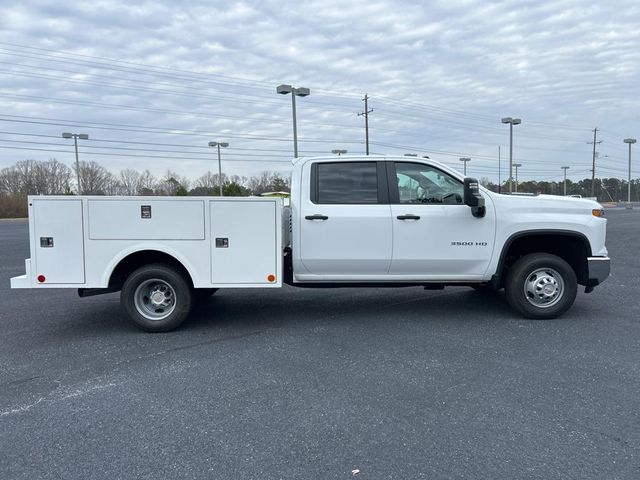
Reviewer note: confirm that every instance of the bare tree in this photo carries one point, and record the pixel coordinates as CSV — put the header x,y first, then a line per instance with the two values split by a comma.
x,y
112,185
130,182
31,177
148,183
268,182
94,178
173,184
10,182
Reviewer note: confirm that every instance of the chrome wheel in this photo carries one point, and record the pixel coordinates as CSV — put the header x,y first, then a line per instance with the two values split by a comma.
x,y
155,299
544,287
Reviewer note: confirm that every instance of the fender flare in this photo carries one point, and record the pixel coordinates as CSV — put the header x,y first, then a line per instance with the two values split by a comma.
x,y
117,259
497,276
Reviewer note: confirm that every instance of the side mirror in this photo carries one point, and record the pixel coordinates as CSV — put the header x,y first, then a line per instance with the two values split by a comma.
x,y
473,198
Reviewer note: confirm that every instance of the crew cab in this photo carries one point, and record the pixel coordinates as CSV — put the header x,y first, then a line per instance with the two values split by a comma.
x,y
353,221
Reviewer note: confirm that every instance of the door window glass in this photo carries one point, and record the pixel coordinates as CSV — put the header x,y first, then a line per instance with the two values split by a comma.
x,y
347,183
419,183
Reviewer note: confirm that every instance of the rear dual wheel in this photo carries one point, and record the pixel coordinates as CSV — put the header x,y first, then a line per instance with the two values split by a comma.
x,y
157,298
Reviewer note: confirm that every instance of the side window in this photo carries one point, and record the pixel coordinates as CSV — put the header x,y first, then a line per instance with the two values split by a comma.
x,y
419,183
346,183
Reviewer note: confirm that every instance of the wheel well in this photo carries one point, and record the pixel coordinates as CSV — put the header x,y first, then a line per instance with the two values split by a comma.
x,y
571,248
144,257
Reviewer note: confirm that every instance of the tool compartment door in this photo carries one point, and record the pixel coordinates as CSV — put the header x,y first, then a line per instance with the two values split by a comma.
x,y
59,240
243,241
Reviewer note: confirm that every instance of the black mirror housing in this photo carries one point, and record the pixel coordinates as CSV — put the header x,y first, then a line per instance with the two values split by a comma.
x,y
473,198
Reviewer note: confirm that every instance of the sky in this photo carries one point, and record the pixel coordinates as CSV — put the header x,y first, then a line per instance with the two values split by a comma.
x,y
153,82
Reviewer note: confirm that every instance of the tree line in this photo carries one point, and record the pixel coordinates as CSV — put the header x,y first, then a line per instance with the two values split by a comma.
x,y
605,189
51,177
33,177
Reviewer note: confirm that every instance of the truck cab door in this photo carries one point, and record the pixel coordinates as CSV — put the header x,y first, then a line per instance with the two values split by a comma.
x,y
435,235
344,221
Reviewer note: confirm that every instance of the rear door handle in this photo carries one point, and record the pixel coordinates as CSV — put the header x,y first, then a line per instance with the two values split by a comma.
x,y
408,217
316,217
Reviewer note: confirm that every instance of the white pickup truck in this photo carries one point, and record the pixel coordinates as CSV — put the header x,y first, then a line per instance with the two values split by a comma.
x,y
353,222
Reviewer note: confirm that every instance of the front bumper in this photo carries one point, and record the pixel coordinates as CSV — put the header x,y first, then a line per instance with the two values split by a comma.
x,y
599,269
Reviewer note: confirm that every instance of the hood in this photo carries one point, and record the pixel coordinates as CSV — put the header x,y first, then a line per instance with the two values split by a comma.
x,y
555,202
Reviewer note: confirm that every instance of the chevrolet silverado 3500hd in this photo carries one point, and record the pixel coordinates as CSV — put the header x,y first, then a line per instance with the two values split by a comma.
x,y
352,222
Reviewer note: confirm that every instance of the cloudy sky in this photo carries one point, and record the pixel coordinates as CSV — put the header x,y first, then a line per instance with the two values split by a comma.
x,y
153,82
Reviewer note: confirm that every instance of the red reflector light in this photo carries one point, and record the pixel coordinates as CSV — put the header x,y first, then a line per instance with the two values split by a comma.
x,y
41,278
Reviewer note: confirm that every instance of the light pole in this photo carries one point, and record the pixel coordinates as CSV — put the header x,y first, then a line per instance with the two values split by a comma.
x,y
295,92
464,160
499,180
224,145
516,165
630,141
76,136
511,121
338,152
565,179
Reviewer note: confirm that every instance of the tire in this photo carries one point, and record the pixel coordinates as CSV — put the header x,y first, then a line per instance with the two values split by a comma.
x,y
541,286
202,294
171,302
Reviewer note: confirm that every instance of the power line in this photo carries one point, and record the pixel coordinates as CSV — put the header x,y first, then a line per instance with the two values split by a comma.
x,y
148,129
134,155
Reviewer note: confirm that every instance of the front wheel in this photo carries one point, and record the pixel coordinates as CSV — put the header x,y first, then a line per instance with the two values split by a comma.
x,y
541,286
157,298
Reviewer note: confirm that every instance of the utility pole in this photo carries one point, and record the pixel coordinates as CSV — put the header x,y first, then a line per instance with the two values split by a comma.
x,y
630,141
76,136
464,160
516,166
593,166
511,122
499,186
223,145
565,179
365,114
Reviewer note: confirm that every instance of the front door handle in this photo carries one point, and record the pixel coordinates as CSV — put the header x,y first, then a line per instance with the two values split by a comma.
x,y
408,217
316,217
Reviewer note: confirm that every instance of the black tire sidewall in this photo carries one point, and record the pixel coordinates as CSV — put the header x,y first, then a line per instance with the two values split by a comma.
x,y
522,268
184,298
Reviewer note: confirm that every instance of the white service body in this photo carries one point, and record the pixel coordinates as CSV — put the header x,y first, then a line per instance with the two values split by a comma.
x,y
92,234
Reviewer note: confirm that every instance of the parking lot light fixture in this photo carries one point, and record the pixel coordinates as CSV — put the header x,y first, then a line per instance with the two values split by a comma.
x,y
464,160
338,151
565,180
76,136
223,145
511,121
516,166
295,92
630,141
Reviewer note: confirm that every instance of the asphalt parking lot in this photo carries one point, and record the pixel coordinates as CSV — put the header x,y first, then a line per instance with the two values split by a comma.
x,y
313,384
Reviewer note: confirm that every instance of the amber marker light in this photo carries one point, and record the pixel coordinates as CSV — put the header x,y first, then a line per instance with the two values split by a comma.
x,y
271,278
597,212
